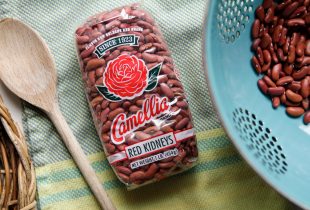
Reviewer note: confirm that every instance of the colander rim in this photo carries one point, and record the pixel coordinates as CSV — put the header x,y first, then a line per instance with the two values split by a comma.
x,y
206,22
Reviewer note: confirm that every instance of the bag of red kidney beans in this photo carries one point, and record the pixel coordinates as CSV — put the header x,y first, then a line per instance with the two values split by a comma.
x,y
136,98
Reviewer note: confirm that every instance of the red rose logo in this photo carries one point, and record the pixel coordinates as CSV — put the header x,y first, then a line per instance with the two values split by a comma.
x,y
126,76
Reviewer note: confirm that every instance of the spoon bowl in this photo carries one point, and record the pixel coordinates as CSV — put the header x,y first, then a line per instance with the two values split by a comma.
x,y
26,60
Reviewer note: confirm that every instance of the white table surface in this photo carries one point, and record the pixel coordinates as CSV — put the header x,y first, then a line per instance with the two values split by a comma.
x,y
12,101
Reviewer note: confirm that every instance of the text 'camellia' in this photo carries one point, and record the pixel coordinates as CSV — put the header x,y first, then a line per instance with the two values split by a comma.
x,y
152,108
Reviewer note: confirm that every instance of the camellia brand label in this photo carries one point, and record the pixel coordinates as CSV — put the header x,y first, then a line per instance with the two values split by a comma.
x,y
126,78
152,108
114,42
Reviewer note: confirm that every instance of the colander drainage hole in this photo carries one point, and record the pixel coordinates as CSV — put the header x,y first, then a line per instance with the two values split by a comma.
x,y
260,141
232,16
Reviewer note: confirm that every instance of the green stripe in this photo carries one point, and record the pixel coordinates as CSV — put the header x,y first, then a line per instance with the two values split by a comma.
x,y
114,184
101,166
70,173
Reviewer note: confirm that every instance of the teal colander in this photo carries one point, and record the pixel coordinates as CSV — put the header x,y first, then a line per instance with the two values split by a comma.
x,y
275,145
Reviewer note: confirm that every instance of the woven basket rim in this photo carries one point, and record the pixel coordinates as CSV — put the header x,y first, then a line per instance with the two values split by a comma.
x,y
17,175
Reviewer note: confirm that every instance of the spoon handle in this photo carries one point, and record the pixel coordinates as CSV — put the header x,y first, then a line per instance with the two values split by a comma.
x,y
79,157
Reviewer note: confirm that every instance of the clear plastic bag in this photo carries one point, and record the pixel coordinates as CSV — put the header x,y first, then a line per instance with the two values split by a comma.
x,y
136,98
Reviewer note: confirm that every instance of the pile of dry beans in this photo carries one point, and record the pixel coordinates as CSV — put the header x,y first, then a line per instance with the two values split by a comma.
x,y
281,44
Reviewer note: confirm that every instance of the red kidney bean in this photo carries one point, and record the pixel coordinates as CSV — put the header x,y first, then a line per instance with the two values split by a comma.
x,y
166,90
105,138
281,55
267,4
137,175
288,68
294,97
262,86
104,115
114,105
305,103
295,39
182,104
166,165
153,50
255,28
96,101
87,52
256,64
92,78
124,170
151,130
269,15
299,61
300,49
305,90
275,91
296,22
180,157
266,56
265,67
123,177
304,71
305,61
294,86
276,102
115,112
298,12
141,135
277,33
110,148
291,54
295,111
307,48
255,44
307,19
266,40
292,104
151,171
283,37
269,81
290,9
286,45
273,54
307,117
82,39
283,98
275,72
260,13
259,55
182,123
284,80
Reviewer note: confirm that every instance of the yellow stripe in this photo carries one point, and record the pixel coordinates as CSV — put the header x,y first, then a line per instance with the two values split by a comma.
x,y
59,166
67,164
84,203
77,183
210,133
203,190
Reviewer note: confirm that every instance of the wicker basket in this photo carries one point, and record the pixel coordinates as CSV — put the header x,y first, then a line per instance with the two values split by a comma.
x,y
17,177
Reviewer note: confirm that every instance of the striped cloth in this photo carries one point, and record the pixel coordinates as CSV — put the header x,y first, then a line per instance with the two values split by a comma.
x,y
221,180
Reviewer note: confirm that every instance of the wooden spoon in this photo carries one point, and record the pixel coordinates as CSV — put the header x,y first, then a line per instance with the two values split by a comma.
x,y
27,68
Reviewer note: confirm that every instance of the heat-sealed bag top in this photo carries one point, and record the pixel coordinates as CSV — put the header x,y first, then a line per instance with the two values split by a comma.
x,y
136,98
